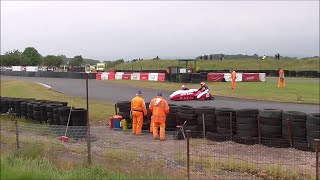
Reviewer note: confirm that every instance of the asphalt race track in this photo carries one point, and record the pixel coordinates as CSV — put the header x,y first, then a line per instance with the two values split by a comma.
x,y
111,92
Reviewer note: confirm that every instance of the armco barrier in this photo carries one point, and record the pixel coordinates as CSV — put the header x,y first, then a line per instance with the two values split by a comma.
x,y
72,75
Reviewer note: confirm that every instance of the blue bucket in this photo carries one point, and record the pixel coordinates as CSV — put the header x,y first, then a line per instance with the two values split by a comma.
x,y
117,123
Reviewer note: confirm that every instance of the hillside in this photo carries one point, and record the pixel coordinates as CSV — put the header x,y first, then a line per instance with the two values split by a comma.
x,y
244,64
86,61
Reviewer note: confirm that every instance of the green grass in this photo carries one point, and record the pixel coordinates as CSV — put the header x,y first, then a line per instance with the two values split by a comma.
x,y
217,165
98,111
295,92
248,64
13,167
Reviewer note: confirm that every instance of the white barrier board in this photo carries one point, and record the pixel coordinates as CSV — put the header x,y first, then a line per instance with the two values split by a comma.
x,y
153,77
227,77
104,76
135,76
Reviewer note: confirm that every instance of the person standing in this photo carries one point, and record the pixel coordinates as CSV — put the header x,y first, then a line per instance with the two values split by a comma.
x,y
233,79
138,110
281,81
159,108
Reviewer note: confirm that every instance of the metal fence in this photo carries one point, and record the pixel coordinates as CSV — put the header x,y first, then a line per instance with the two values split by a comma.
x,y
192,158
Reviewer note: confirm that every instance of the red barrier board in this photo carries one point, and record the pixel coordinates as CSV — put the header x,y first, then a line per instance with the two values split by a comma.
x,y
161,76
144,76
126,77
215,77
250,77
111,76
98,76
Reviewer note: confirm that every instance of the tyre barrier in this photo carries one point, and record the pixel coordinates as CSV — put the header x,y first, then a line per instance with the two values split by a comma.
x,y
226,120
171,121
246,125
54,113
268,127
206,114
313,129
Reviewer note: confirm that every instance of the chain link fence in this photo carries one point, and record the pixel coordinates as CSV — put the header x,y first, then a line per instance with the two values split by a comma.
x,y
223,155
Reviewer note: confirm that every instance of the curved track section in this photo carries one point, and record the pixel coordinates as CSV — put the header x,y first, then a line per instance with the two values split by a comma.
x,y
111,92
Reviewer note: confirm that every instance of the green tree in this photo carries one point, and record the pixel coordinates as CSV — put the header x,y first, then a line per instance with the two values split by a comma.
x,y
51,60
32,56
13,58
76,61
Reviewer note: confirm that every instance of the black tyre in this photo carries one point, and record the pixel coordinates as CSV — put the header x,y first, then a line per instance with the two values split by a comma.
x,y
250,133
217,137
184,109
187,117
223,130
314,118
204,110
271,113
245,140
270,121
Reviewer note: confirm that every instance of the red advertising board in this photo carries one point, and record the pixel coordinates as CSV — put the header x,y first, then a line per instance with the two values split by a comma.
x,y
215,77
250,77
144,76
161,76
111,76
98,76
126,76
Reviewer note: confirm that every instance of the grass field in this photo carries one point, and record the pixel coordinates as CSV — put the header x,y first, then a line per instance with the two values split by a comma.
x,y
296,92
23,89
250,64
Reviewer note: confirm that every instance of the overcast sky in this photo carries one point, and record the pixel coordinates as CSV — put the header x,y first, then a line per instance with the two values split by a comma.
x,y
108,30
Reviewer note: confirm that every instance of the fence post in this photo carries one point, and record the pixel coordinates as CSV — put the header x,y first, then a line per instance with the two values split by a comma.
x,y
17,133
188,154
88,123
231,129
289,132
259,130
115,108
204,126
317,158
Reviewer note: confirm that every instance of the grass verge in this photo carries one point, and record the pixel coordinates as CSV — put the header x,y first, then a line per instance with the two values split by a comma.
x,y
99,111
295,92
245,64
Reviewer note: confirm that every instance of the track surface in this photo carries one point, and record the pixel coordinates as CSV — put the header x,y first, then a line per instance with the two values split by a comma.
x,y
111,92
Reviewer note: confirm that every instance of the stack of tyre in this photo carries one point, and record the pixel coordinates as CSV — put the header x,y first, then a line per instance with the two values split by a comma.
x,y
24,110
171,121
37,112
124,108
196,78
4,105
173,77
147,118
246,126
78,121
295,123
223,118
205,114
313,129
53,116
270,125
30,115
185,78
187,114
17,107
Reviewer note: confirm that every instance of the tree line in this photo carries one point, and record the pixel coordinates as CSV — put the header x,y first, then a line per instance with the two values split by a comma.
x,y
31,57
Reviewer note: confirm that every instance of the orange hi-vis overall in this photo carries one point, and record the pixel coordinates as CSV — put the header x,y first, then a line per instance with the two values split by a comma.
x,y
233,79
281,81
138,109
159,108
